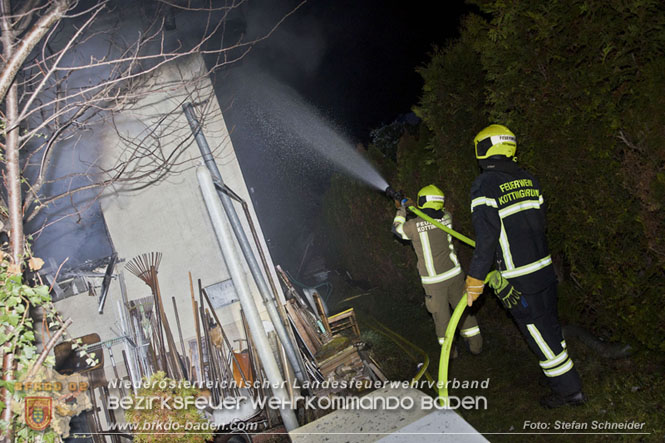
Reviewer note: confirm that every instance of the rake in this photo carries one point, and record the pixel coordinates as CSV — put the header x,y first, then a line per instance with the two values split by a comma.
x,y
142,265
145,267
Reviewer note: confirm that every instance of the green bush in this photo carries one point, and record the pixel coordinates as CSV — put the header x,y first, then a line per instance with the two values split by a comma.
x,y
581,85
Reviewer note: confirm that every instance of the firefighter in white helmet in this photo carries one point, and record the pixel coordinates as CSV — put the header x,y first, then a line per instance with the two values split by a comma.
x,y
440,271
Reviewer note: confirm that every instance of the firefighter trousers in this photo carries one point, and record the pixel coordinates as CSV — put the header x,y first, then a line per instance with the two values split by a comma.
x,y
537,317
439,298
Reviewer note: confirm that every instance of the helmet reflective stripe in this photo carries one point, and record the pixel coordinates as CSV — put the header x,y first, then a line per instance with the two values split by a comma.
x,y
441,277
434,198
469,332
496,139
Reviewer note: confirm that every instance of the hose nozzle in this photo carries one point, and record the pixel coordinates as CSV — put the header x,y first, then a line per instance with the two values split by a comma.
x,y
393,194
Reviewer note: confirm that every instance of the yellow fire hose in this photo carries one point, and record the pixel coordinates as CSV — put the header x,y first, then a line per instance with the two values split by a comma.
x,y
445,351
443,227
407,346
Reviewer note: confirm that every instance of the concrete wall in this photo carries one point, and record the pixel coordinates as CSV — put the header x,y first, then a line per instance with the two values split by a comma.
x,y
165,212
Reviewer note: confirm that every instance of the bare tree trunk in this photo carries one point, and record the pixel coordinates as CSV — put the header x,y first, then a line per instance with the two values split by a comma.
x,y
13,184
13,176
7,375
28,42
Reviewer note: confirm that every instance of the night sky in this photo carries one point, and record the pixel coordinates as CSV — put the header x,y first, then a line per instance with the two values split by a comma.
x,y
354,62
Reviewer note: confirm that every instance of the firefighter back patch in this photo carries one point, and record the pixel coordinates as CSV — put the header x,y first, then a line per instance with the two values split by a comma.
x,y
38,412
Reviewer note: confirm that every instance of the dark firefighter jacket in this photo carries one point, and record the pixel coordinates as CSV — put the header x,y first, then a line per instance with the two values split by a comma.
x,y
508,214
437,261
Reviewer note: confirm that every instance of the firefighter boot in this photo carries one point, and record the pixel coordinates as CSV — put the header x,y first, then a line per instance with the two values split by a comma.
x,y
555,400
475,344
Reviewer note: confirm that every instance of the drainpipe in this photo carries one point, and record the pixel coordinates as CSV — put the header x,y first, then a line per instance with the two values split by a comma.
x,y
244,244
232,259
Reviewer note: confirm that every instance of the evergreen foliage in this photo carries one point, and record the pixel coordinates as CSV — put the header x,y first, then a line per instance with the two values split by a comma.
x,y
580,83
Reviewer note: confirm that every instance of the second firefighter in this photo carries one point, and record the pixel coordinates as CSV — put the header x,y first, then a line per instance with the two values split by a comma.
x,y
440,272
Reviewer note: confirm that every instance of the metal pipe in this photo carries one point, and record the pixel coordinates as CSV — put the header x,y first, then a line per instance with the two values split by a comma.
x,y
280,308
197,329
232,259
239,232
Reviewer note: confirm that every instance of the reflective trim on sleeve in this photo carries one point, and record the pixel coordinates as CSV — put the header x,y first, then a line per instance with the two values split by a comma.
x,y
563,344
399,228
452,255
470,332
560,370
518,207
427,254
544,348
527,269
483,201
399,219
441,277
541,200
505,248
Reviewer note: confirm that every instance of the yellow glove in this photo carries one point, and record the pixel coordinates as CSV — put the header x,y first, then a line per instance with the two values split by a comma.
x,y
473,288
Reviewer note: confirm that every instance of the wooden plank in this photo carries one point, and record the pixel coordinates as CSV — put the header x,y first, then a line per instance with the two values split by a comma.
x,y
345,356
377,372
309,330
322,313
302,331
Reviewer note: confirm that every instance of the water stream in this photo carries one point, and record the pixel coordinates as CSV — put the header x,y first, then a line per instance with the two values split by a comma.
x,y
297,125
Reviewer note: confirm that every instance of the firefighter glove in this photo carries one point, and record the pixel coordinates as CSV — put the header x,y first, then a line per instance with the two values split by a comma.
x,y
473,288
506,292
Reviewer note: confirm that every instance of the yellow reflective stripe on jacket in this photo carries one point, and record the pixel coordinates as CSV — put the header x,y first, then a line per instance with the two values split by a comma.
x,y
453,256
427,254
518,207
527,269
483,201
441,277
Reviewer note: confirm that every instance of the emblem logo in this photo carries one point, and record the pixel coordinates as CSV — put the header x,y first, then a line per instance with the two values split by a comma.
x,y
38,412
